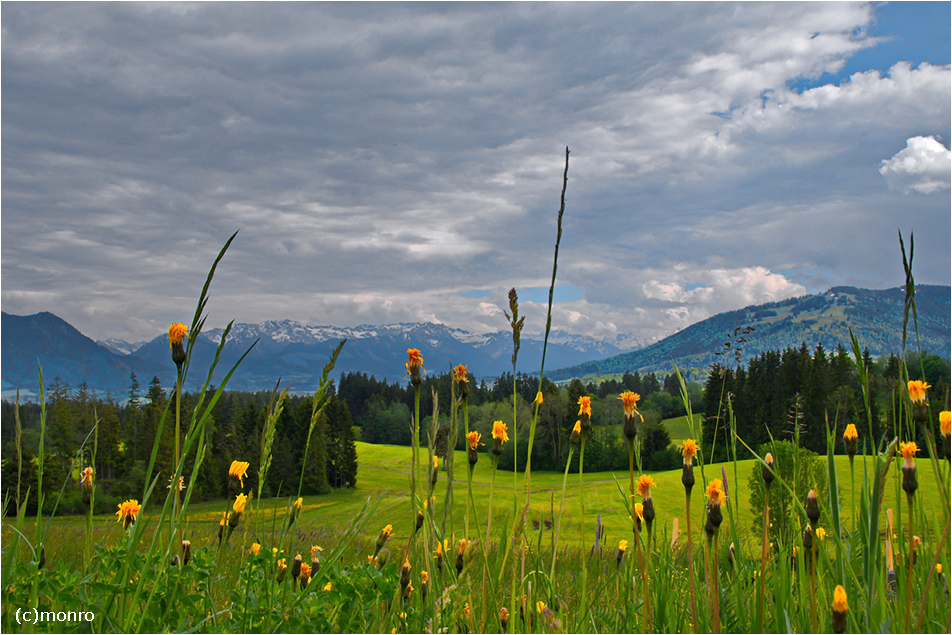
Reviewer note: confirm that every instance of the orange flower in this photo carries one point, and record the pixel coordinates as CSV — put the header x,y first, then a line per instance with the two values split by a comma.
x,y
585,406
850,434
177,332
255,549
689,450
500,432
473,439
908,452
628,401
238,471
459,372
645,483
839,599
128,512
917,390
622,545
639,511
415,361
87,480
715,492
425,577
538,399
945,422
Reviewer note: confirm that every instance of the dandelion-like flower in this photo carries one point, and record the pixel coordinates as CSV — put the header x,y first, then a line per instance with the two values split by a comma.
x,y
86,483
405,571
255,549
473,439
382,538
945,422
460,555
415,366
503,618
850,434
128,512
538,399
305,576
177,334
715,492
645,483
821,534
689,448
577,432
181,483
282,570
500,436
839,609
237,508
622,547
238,471
910,482
585,406
459,373
629,400
639,515
917,390
767,470
500,432
540,606
908,452
87,479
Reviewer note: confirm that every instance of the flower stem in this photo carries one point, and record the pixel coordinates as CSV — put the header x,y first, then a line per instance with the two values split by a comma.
x,y
687,515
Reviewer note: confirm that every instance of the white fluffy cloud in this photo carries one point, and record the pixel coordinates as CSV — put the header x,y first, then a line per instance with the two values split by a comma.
x,y
923,166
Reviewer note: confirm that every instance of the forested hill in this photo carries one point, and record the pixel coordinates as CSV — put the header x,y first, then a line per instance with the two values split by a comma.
x,y
874,315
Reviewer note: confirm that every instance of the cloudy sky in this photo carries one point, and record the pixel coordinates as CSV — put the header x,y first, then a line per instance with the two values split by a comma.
x,y
403,162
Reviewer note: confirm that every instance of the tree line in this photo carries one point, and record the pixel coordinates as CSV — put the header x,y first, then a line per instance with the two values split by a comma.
x,y
128,430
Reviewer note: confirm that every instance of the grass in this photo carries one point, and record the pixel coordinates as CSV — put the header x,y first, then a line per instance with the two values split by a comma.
x,y
384,474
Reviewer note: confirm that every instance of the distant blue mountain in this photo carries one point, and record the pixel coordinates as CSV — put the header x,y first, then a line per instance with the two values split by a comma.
x,y
294,352
824,318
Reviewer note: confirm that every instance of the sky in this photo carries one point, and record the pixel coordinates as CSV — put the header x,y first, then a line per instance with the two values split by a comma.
x,y
388,163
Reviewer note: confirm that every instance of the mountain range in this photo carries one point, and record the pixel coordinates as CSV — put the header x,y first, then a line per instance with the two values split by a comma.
x,y
875,317
284,349
297,353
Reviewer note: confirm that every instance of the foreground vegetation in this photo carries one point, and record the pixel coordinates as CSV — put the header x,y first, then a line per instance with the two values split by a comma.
x,y
773,538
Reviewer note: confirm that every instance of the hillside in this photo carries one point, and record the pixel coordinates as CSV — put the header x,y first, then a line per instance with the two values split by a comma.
x,y
874,315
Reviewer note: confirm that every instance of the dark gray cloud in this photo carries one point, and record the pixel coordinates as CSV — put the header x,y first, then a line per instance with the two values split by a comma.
x,y
382,159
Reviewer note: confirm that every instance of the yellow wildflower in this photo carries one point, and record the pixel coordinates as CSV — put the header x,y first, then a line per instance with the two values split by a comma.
x,y
917,390
585,405
238,471
850,434
500,432
715,492
255,549
689,449
177,333
473,439
128,512
628,401
645,483
945,422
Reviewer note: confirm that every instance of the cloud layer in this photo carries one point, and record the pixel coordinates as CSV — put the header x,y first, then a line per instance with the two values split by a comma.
x,y
382,161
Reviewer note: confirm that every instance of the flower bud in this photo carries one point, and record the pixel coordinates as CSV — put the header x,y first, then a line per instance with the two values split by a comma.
x,y
186,552
766,471
296,567
813,508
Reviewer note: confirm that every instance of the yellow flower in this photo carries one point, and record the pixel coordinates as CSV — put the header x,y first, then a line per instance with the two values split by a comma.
x,y
128,512
945,422
238,471
499,432
689,450
327,587
315,551
715,492
255,549
585,406
938,568
917,390
305,571
540,606
177,332
538,399
577,428
640,511
821,534
622,545
459,373
414,361
87,480
473,439
628,401
240,501
224,519
463,543
424,577
850,434
839,599
645,483
908,452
